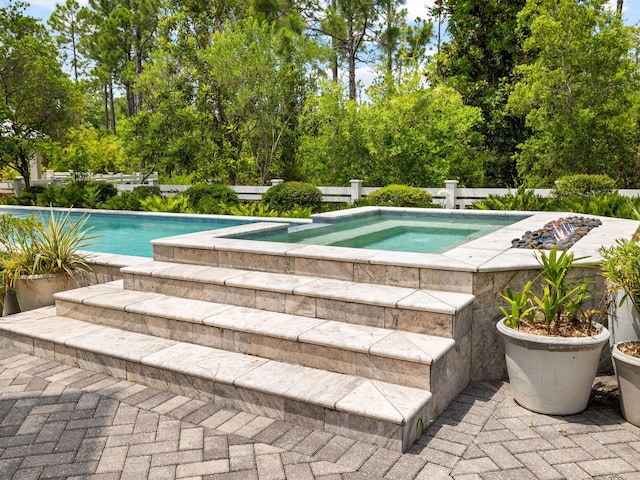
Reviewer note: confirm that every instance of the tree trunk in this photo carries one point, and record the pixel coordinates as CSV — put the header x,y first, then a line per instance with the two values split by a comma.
x,y
106,107
113,111
334,50
351,50
138,58
619,7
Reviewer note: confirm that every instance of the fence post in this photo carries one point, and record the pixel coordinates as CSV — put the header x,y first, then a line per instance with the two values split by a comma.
x,y
450,187
356,191
18,186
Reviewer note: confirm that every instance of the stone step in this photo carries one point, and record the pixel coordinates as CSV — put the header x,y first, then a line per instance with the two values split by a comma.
x,y
446,314
373,411
405,358
404,269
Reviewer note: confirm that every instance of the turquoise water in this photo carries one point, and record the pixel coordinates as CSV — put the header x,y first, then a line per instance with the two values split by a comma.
x,y
130,234
400,233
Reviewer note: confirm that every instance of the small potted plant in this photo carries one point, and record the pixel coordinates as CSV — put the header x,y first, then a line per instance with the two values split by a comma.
x,y
47,259
621,267
11,229
552,341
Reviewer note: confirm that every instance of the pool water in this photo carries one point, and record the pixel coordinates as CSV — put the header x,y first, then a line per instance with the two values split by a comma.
x,y
131,233
420,234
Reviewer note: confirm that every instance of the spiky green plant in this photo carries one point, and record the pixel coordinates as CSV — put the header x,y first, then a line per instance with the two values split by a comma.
x,y
52,247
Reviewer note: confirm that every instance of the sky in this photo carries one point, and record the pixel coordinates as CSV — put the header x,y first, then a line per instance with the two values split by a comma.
x,y
416,8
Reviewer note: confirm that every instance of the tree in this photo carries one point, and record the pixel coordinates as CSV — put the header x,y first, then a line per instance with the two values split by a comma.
x,y
122,36
417,136
478,61
579,95
400,44
38,99
349,26
68,27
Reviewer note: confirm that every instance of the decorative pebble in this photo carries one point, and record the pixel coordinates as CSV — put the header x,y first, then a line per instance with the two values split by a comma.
x,y
564,233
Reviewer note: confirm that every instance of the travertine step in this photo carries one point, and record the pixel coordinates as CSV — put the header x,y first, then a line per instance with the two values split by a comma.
x,y
406,358
431,312
377,412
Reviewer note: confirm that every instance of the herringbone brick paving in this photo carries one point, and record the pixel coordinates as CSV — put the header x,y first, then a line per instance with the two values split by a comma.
x,y
61,422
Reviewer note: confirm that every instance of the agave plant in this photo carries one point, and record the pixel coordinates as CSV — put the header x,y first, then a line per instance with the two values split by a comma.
x,y
52,247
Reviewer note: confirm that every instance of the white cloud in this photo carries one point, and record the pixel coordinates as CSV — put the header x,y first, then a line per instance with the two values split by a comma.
x,y
418,8
51,4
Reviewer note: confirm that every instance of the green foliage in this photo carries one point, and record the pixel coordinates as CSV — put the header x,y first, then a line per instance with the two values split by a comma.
x,y
520,307
186,179
478,61
87,149
50,248
131,200
81,194
400,196
37,99
286,196
602,204
157,203
583,185
523,199
253,210
621,266
29,195
12,228
578,93
205,198
413,136
223,103
561,299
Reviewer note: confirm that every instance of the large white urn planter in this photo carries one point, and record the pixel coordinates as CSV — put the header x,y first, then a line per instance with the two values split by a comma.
x,y
36,291
552,375
628,373
624,320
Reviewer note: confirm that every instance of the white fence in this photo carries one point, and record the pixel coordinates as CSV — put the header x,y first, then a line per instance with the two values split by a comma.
x,y
450,196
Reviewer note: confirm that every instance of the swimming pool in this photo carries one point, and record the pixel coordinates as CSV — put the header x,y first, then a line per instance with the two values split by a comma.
x,y
419,231
130,233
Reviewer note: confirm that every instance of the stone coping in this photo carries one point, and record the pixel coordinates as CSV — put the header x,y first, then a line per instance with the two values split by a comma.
x,y
491,253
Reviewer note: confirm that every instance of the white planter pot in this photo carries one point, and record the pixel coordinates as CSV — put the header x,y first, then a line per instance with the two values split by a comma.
x,y
552,375
624,320
10,303
628,373
36,291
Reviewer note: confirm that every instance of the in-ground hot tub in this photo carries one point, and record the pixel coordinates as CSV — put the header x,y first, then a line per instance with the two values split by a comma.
x,y
399,230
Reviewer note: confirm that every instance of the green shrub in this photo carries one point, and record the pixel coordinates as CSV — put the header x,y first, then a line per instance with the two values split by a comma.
x,y
205,198
523,199
602,204
29,195
252,210
187,179
583,185
144,191
103,191
400,196
157,203
131,200
289,195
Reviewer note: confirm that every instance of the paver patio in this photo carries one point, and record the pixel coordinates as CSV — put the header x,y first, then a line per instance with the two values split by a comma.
x,y
58,421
